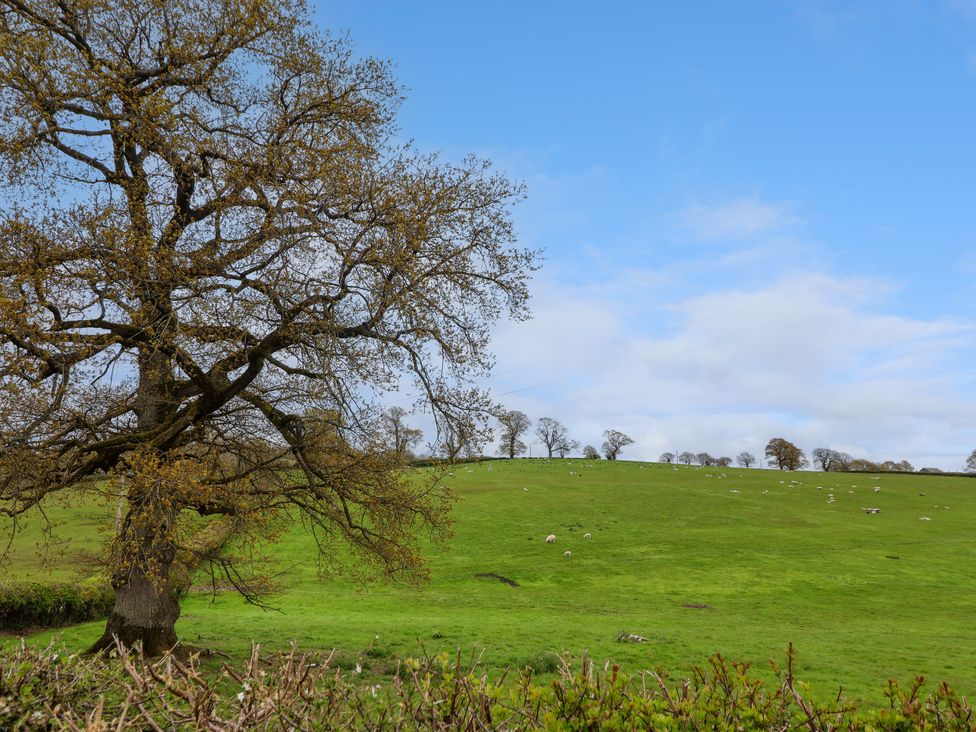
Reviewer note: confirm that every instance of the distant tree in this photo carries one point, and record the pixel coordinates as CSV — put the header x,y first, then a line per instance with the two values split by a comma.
x,y
565,447
667,458
461,438
686,457
704,459
901,466
590,453
553,434
723,462
841,461
784,454
824,457
513,425
615,442
745,459
863,465
971,462
399,436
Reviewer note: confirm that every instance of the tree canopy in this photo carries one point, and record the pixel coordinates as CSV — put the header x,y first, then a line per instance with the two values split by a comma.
x,y
513,425
214,256
615,442
784,454
555,436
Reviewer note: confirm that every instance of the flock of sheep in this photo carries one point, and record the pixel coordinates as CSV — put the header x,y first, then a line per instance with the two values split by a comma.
x,y
551,539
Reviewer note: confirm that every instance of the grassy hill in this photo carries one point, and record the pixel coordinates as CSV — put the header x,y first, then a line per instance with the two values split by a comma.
x,y
698,561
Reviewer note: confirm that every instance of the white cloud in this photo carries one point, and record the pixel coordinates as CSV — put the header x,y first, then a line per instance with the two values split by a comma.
x,y
808,357
740,218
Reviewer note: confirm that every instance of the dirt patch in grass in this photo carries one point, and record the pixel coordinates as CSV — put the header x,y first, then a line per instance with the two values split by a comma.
x,y
492,575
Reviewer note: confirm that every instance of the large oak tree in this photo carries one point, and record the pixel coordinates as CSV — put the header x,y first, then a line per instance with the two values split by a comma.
x,y
213,259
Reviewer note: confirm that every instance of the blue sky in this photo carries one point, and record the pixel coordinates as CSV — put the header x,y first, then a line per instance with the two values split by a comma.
x,y
758,217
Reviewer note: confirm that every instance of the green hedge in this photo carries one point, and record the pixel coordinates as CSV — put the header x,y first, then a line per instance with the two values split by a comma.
x,y
30,604
50,604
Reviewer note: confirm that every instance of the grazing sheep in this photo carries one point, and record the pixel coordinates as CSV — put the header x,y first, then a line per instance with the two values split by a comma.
x,y
567,553
587,535
551,539
877,489
872,510
925,518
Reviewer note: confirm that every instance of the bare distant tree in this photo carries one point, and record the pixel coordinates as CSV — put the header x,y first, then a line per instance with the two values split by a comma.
x,y
900,466
784,454
399,436
462,438
513,425
745,459
565,447
615,442
590,453
686,457
667,458
971,462
841,461
704,458
824,457
723,462
553,434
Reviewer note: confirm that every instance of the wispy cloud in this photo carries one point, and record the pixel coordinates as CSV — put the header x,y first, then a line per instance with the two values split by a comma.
x,y
737,219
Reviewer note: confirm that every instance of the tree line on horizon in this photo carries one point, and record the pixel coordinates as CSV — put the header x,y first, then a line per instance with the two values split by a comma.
x,y
554,436
513,424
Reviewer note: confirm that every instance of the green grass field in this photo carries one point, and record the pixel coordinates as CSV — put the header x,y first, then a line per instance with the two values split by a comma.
x,y
862,597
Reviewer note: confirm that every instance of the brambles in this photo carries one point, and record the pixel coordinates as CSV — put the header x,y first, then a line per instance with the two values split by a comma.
x,y
41,690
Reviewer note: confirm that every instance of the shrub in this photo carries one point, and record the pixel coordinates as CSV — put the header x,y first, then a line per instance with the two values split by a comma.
x,y
28,604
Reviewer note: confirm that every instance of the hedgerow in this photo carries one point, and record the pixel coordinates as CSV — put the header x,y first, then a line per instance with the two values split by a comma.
x,y
50,604
41,690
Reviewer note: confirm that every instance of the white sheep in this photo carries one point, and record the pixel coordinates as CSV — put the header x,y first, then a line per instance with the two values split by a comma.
x,y
587,535
567,553
551,539
877,489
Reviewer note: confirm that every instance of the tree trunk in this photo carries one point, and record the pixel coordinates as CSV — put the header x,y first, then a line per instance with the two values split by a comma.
x,y
145,614
146,609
